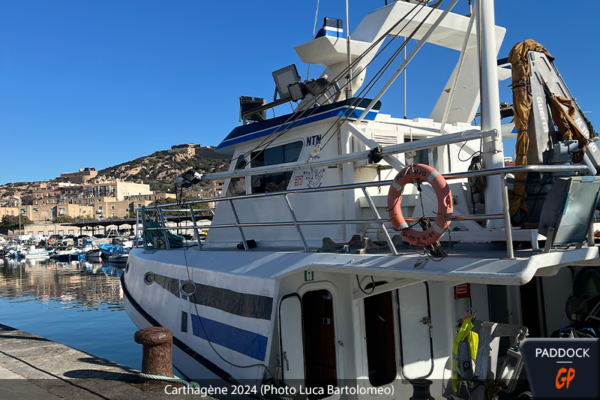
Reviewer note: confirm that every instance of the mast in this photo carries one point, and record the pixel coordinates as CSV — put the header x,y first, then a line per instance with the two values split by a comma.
x,y
349,86
493,153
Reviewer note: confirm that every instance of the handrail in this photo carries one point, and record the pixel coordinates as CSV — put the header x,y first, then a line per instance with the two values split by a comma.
x,y
503,172
451,176
435,140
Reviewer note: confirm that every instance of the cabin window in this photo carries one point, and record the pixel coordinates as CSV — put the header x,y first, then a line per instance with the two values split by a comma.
x,y
381,339
277,182
319,341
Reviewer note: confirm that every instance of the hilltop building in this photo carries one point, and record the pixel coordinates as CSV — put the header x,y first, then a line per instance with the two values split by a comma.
x,y
81,176
189,149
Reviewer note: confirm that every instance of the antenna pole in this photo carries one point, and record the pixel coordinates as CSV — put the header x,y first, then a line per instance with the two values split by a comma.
x,y
493,152
349,85
405,81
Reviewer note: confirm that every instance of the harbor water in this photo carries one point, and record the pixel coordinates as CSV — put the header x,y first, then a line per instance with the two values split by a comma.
x,y
79,304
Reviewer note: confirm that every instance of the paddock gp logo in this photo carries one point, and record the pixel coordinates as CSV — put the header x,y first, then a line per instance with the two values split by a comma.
x,y
562,368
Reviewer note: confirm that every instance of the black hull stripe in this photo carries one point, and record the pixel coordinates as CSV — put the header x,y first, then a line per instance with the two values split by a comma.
x,y
181,345
229,301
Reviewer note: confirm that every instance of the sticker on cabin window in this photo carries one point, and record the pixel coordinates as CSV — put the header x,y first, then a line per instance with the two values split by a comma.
x,y
309,276
314,177
313,140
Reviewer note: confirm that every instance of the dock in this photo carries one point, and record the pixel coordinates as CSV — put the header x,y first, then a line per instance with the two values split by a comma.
x,y
35,368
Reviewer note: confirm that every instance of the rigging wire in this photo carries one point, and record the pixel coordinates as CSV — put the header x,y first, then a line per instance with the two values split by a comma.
x,y
313,101
366,89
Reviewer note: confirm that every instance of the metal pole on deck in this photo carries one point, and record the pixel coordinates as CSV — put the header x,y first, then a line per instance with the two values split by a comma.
x,y
405,47
349,86
493,153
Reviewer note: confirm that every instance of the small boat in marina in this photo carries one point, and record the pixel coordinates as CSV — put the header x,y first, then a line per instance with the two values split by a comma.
x,y
94,255
80,254
118,256
64,254
38,255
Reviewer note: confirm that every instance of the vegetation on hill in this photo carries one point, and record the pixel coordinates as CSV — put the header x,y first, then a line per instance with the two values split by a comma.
x,y
159,170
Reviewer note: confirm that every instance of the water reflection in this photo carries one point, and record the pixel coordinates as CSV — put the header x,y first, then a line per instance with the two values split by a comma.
x,y
70,285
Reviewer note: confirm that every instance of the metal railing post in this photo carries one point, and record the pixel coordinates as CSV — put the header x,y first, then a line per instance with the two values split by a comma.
x,y
237,223
507,226
137,230
165,231
381,224
195,226
285,196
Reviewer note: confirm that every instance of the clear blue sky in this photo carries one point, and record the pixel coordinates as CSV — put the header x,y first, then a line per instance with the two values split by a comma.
x,y
97,83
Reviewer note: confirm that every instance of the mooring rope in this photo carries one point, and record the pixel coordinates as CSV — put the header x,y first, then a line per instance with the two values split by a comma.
x,y
169,379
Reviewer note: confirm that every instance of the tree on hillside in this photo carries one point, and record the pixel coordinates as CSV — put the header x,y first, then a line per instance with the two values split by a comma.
x,y
27,200
63,219
12,222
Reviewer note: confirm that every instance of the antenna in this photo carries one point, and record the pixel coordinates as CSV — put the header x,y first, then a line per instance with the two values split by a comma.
x,y
349,85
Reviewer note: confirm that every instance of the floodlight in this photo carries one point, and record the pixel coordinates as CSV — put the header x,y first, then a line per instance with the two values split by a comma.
x,y
285,77
188,178
297,91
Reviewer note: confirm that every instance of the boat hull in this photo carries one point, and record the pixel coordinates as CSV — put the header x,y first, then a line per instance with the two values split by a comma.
x,y
118,258
94,256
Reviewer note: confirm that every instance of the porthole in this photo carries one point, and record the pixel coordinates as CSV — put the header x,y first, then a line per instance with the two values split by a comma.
x,y
188,288
149,278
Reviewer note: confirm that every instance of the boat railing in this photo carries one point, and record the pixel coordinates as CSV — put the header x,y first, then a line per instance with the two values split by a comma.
x,y
298,224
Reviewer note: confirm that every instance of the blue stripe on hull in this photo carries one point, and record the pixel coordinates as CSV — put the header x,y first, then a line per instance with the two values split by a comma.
x,y
245,342
333,113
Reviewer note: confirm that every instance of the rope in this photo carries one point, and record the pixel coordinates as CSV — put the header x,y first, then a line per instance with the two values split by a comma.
x,y
169,379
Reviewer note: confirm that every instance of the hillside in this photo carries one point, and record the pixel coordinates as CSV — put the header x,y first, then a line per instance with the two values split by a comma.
x,y
159,170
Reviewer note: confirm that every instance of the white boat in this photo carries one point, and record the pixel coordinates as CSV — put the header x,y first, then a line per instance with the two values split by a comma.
x,y
35,253
94,255
302,280
118,257
65,254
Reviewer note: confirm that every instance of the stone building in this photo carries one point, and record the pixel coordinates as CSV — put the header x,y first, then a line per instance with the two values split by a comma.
x,y
81,176
189,149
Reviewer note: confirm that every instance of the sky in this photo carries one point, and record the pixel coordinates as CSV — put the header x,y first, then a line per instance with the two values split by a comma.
x,y
97,83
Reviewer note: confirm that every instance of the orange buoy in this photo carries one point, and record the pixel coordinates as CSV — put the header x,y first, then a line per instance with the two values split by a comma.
x,y
411,174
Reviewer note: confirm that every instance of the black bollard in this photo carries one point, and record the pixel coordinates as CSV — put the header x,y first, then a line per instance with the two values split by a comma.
x,y
421,389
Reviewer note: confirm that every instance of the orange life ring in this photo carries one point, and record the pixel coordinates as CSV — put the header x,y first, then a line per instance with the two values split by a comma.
x,y
410,174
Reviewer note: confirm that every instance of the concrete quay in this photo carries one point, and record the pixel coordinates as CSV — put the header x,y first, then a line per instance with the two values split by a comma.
x,y
35,368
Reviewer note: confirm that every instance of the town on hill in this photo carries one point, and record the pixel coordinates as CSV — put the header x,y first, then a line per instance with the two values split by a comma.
x,y
111,193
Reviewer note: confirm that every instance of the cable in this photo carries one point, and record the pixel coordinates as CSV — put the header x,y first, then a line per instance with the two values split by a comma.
x,y
204,331
360,287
